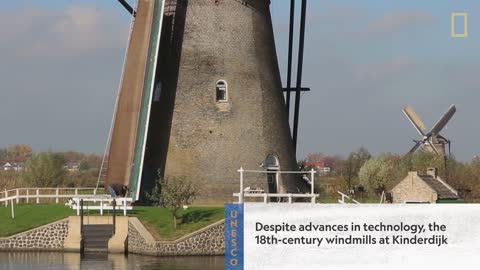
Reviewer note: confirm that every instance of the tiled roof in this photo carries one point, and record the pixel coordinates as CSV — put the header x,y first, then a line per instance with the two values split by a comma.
x,y
443,191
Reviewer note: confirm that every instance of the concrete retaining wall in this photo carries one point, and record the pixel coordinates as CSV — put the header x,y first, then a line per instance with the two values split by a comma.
x,y
207,241
53,237
48,237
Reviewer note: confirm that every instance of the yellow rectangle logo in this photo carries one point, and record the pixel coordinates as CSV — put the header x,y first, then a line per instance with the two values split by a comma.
x,y
465,24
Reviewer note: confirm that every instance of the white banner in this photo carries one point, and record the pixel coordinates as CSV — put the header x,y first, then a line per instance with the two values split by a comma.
x,y
361,236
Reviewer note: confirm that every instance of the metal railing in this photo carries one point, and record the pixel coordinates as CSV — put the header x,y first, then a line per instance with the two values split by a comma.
x,y
288,196
80,212
244,193
345,196
104,203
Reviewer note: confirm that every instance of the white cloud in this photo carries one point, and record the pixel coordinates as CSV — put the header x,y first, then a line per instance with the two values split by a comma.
x,y
59,70
70,32
399,21
384,71
342,15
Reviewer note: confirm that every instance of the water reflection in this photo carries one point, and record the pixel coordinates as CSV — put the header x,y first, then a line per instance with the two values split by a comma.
x,y
98,261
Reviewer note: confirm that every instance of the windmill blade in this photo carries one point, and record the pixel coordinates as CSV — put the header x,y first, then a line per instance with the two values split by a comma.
x,y
414,119
128,7
444,120
415,147
433,147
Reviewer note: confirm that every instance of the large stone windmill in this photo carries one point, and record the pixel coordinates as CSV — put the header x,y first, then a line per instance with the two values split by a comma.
x,y
200,97
431,140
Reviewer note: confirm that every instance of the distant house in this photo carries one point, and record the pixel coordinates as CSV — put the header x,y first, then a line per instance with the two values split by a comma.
x,y
13,166
324,170
323,166
7,166
423,188
72,166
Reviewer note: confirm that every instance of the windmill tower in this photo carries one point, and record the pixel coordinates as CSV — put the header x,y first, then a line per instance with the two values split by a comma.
x,y
201,96
431,141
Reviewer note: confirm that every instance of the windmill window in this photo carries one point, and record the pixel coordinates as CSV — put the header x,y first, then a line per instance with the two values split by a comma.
x,y
272,163
221,91
157,92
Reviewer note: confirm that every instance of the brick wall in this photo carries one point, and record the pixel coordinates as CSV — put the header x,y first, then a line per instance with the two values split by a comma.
x,y
48,237
195,137
207,241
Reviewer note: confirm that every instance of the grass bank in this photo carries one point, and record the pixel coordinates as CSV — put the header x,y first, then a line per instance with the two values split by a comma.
x,y
334,199
158,221
29,216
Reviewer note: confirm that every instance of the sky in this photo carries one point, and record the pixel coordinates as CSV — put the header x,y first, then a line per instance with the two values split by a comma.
x,y
61,62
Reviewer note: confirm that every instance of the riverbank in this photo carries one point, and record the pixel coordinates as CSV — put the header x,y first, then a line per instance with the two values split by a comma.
x,y
131,236
158,221
68,260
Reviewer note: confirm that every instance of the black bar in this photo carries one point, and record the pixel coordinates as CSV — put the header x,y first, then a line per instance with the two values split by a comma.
x,y
299,73
290,53
81,227
81,217
113,213
127,7
303,89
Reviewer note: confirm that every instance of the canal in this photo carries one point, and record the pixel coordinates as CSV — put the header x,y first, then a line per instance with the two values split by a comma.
x,y
74,261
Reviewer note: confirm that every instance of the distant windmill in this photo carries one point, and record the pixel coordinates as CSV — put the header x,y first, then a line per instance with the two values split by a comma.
x,y
431,141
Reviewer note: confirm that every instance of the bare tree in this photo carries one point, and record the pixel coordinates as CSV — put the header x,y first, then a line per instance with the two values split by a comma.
x,y
19,151
173,193
351,166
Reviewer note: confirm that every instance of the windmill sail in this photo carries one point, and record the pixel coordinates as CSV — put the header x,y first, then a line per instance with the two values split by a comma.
x,y
415,120
444,120
417,145
132,116
432,140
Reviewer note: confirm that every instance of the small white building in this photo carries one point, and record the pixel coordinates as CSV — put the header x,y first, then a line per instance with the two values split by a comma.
x,y
13,166
72,166
324,170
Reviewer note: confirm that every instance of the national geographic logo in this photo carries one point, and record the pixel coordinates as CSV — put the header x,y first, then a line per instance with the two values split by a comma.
x,y
459,23
233,236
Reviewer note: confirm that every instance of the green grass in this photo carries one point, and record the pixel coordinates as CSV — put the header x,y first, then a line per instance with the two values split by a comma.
x,y
159,221
29,216
329,199
334,199
369,199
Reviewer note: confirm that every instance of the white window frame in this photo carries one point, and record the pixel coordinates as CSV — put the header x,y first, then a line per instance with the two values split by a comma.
x,y
226,91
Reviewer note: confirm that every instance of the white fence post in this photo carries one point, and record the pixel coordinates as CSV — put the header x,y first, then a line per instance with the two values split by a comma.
x,y
17,194
56,193
38,198
77,202
27,195
101,207
13,211
6,195
240,197
312,176
124,206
